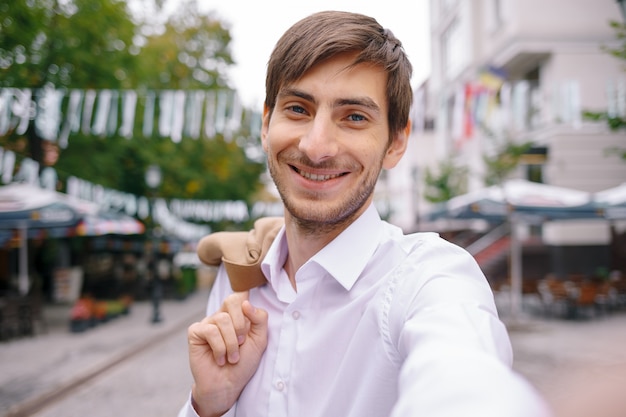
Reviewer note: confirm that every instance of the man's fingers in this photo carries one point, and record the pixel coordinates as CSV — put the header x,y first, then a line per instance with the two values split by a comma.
x,y
257,317
219,334
232,305
202,335
227,331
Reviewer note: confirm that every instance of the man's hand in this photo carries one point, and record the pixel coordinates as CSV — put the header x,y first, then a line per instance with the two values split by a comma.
x,y
224,352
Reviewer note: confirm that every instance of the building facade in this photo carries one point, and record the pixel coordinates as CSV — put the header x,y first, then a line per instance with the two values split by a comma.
x,y
523,71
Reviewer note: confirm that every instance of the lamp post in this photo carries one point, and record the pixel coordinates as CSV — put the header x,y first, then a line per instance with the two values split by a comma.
x,y
153,180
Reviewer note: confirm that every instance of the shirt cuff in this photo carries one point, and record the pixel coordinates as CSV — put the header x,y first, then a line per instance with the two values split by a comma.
x,y
188,410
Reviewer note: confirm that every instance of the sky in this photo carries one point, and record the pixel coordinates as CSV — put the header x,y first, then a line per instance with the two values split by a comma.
x,y
256,25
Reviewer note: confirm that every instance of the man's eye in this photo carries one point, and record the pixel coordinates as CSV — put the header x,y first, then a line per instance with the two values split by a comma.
x,y
297,109
356,117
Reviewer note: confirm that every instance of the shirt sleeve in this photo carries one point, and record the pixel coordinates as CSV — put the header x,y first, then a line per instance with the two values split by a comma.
x,y
455,352
219,291
187,410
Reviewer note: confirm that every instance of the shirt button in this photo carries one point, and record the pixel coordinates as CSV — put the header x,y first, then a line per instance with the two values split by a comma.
x,y
295,315
280,385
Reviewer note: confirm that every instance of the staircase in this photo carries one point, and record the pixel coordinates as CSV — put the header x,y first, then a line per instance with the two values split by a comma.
x,y
492,250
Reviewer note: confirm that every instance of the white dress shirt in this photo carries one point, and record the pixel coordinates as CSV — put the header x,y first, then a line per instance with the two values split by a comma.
x,y
382,324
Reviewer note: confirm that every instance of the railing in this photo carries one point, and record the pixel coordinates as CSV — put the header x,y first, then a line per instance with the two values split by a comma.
x,y
489,239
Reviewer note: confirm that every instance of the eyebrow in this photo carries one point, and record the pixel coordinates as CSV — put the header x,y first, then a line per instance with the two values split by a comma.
x,y
365,101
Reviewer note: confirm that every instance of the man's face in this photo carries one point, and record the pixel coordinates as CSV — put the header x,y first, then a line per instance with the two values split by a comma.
x,y
327,140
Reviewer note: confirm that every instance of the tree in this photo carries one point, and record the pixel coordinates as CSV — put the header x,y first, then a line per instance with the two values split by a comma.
x,y
80,43
614,121
504,161
189,51
448,181
98,44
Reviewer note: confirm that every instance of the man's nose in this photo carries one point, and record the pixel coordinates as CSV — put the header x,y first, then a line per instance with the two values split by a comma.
x,y
320,142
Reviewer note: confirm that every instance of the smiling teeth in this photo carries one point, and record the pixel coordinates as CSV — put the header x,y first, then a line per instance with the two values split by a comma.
x,y
316,177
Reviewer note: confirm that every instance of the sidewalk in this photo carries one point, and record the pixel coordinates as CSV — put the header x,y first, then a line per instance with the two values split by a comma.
x,y
36,369
561,358
578,365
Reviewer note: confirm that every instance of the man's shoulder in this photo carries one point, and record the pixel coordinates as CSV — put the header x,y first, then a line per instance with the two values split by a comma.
x,y
425,241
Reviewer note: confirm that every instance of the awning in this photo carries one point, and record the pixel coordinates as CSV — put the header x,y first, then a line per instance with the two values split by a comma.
x,y
25,205
34,211
104,223
531,202
520,201
612,202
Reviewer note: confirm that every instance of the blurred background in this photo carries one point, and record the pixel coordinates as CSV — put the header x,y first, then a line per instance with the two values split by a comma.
x,y
130,129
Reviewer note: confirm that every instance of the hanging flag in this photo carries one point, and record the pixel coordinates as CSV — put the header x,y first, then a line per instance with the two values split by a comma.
x,y
166,104
6,97
8,165
209,116
234,120
468,113
129,106
72,117
57,113
193,113
178,116
220,111
102,113
111,126
90,99
21,107
520,104
492,78
48,120
458,115
148,114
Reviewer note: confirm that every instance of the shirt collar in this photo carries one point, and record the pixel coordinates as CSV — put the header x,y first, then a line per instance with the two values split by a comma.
x,y
344,258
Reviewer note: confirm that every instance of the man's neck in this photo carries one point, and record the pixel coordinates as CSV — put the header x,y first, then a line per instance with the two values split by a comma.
x,y
304,242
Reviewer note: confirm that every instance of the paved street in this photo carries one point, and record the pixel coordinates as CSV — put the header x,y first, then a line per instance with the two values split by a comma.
x,y
578,365
154,383
57,363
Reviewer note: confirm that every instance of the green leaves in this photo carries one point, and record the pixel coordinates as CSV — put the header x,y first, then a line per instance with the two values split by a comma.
x,y
449,180
99,44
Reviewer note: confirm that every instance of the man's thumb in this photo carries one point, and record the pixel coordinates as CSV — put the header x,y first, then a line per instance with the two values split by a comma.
x,y
257,317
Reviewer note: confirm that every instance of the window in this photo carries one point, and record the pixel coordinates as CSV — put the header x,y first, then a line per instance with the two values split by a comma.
x,y
453,51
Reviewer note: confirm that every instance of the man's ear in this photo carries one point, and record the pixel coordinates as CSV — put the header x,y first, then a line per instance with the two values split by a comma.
x,y
265,123
397,147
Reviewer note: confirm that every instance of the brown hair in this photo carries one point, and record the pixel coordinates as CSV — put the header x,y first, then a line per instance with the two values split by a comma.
x,y
325,34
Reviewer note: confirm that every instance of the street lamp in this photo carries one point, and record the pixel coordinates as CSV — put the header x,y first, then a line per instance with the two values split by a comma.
x,y
622,7
153,180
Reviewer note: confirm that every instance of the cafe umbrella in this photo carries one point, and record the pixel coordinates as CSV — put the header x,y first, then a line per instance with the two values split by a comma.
x,y
531,202
519,201
25,207
612,202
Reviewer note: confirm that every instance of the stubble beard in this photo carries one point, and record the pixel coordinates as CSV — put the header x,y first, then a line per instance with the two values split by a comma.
x,y
313,220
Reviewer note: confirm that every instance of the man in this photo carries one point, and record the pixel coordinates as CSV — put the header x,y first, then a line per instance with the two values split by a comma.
x,y
355,319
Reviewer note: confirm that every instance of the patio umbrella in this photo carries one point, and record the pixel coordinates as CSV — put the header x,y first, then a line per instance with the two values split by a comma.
x,y
25,207
612,202
109,223
31,209
519,201
530,201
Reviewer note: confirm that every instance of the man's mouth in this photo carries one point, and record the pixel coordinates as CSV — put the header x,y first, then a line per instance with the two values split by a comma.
x,y
316,177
